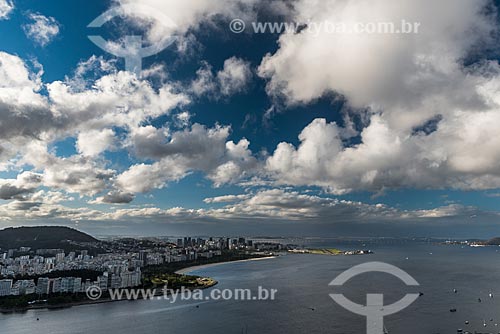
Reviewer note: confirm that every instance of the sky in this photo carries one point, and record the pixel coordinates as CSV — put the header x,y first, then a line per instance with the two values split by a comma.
x,y
314,130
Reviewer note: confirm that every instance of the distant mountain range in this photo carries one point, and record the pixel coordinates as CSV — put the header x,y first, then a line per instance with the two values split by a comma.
x,y
39,237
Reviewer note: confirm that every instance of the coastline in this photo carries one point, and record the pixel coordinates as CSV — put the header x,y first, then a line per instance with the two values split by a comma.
x,y
183,271
88,302
188,270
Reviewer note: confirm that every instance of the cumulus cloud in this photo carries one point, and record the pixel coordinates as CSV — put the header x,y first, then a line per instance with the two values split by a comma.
x,y
451,157
279,210
292,205
276,205
226,198
308,164
197,148
189,14
234,78
183,119
307,66
25,183
94,142
87,111
430,117
74,174
204,82
41,29
114,197
114,99
6,7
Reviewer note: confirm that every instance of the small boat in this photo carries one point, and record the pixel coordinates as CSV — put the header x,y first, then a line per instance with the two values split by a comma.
x,y
385,330
455,290
421,294
467,322
453,310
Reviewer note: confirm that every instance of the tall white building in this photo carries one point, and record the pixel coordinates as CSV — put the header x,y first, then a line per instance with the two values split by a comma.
x,y
131,278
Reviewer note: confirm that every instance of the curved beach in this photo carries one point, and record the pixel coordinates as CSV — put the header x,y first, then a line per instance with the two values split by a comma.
x,y
187,270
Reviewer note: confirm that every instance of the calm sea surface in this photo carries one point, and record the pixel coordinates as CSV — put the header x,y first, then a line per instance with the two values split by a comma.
x,y
303,304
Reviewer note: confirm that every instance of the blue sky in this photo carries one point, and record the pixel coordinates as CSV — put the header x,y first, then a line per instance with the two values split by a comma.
x,y
279,133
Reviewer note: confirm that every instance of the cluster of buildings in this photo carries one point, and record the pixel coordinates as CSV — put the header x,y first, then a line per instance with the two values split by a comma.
x,y
121,268
43,261
119,277
253,244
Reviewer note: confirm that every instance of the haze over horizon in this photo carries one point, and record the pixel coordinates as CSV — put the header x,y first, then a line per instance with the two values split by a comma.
x,y
245,133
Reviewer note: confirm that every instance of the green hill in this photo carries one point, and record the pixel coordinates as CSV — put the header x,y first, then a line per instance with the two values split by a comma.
x,y
41,237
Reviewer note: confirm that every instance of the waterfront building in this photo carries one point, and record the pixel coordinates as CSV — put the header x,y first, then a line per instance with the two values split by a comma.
x,y
42,287
56,285
5,287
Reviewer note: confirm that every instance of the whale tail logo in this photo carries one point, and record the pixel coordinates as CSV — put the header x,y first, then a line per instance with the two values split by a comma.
x,y
374,310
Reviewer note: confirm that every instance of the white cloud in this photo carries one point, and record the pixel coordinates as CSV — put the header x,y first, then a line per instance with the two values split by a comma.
x,y
238,163
25,183
41,29
183,119
32,121
462,154
431,120
226,198
273,205
6,7
259,212
180,153
94,142
114,197
310,163
116,99
189,14
204,82
76,105
232,79
19,86
74,174
411,67
90,110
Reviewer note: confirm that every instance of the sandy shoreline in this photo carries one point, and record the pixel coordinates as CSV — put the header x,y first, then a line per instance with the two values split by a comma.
x,y
187,270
